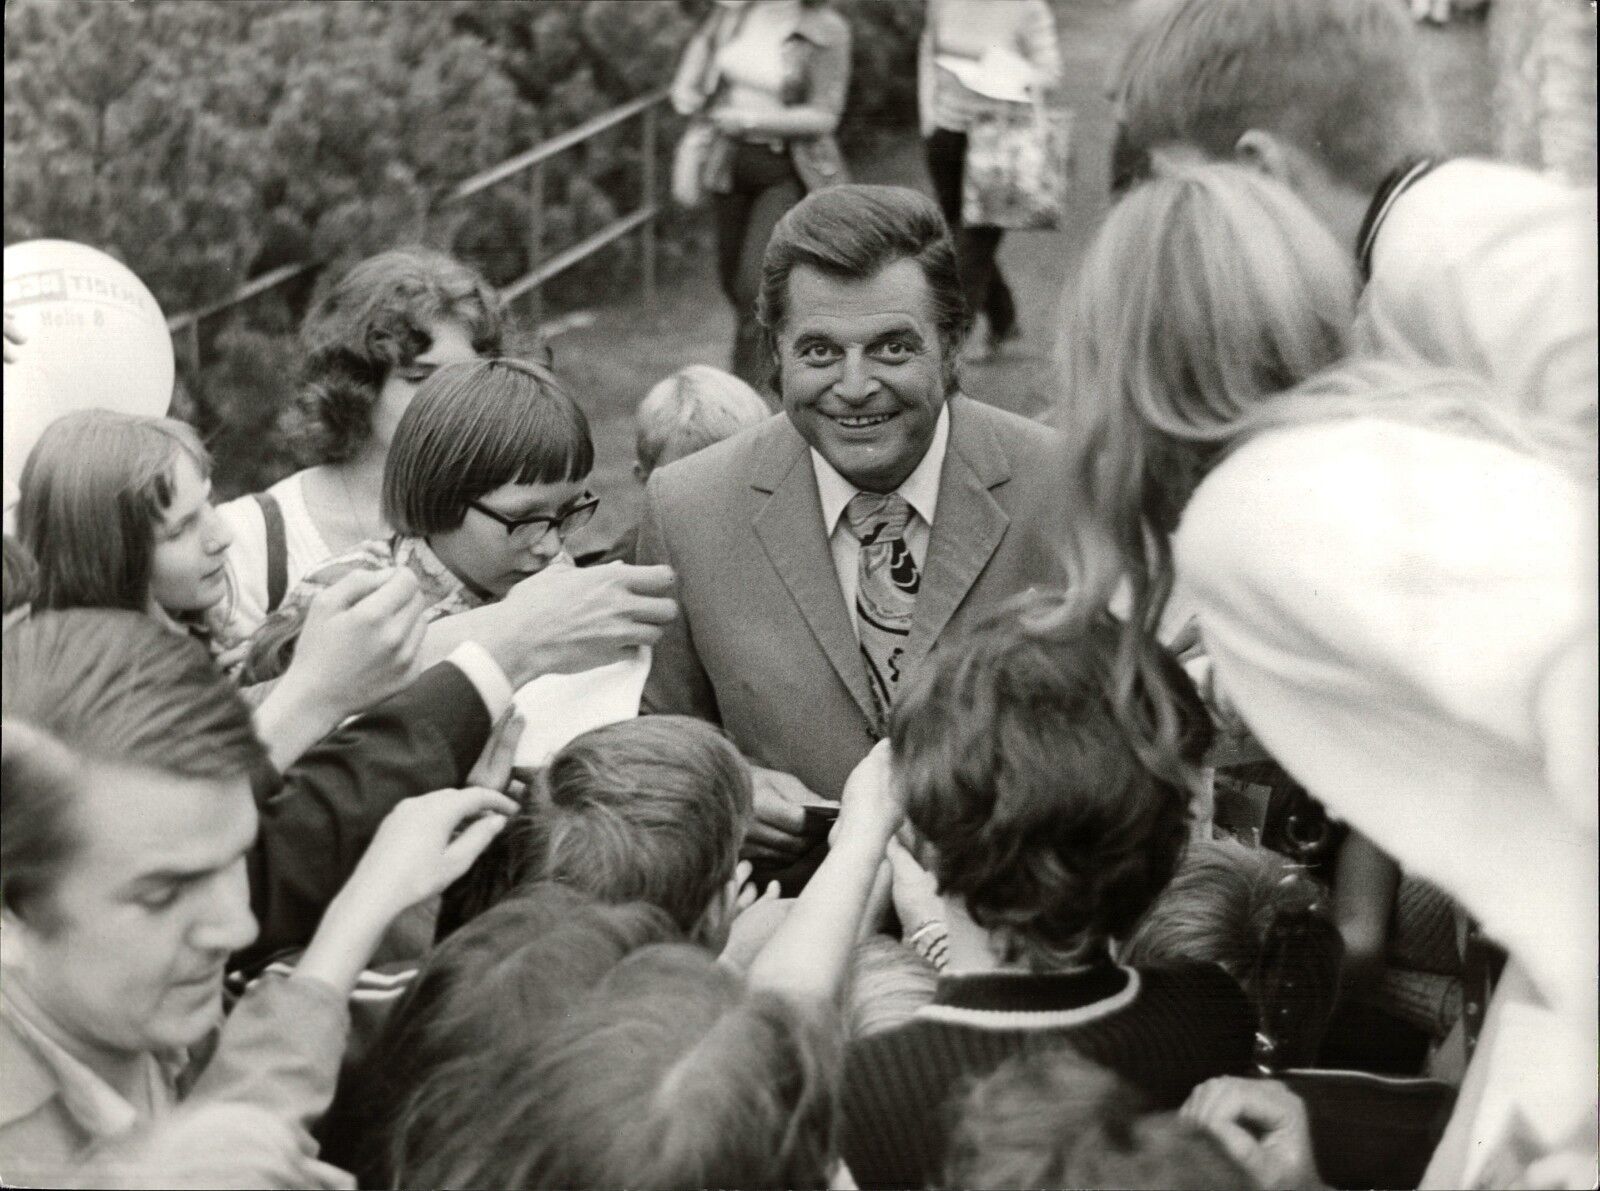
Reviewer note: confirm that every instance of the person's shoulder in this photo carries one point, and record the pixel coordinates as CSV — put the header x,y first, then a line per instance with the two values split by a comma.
x,y
723,469
1184,994
27,1085
1013,432
1469,205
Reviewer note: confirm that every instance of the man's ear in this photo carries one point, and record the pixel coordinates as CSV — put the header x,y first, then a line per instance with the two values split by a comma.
x,y
1270,154
639,473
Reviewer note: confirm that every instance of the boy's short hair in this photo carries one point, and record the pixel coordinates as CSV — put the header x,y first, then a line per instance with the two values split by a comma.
x,y
1339,78
1051,1118
1222,907
652,809
474,426
92,686
692,409
1043,812
494,988
672,1074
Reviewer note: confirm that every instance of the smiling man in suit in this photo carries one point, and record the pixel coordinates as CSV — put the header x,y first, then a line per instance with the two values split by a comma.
x,y
821,554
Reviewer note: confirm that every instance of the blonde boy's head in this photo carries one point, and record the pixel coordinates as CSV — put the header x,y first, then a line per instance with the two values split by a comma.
x,y
693,408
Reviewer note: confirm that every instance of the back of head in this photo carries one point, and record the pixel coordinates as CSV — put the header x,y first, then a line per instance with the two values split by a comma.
x,y
1341,79
1017,1126
692,409
473,427
851,233
1044,813
652,809
494,988
93,490
1054,1119
373,320
89,687
673,1075
1217,909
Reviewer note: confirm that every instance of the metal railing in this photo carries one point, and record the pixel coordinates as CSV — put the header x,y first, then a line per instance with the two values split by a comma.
x,y
185,327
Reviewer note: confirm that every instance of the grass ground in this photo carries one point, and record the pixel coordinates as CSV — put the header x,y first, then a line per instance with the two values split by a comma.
x,y
628,346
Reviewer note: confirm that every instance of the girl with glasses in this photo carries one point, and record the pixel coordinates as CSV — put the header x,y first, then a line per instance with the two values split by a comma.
x,y
483,484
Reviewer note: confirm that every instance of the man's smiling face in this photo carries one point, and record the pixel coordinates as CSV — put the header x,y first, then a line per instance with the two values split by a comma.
x,y
861,371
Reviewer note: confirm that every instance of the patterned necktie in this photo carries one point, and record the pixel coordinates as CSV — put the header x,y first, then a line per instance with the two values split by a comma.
x,y
886,588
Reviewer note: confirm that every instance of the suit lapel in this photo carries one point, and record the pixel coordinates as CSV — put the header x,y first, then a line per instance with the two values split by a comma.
x,y
789,526
967,526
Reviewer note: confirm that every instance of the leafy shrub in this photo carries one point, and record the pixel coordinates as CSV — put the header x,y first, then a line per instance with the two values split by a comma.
x,y
205,142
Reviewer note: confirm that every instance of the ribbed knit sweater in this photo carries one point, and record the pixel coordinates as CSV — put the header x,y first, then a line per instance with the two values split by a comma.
x,y
1164,1030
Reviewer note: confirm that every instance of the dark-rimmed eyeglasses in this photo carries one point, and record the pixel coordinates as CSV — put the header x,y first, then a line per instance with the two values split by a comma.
x,y
528,530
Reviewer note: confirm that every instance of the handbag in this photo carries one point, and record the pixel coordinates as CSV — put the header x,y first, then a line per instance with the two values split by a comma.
x,y
694,146
1017,167
689,163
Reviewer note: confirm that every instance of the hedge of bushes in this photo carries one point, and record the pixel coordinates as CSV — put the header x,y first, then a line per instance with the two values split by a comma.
x,y
205,142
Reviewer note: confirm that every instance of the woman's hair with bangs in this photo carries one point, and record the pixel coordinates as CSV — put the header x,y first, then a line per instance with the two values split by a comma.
x,y
373,320
94,489
474,426
1209,290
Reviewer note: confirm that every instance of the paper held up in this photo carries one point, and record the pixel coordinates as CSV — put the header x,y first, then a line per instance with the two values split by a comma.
x,y
558,707
1001,73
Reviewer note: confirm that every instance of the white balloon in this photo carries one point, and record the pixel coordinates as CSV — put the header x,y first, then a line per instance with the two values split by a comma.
x,y
96,339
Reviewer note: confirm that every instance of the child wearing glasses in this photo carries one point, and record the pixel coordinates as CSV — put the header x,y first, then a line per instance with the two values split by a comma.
x,y
484,482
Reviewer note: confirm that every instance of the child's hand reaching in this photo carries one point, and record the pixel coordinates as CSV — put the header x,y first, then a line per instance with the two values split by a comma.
x,y
424,845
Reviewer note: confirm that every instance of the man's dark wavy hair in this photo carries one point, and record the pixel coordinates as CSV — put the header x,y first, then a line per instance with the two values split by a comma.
x,y
853,232
1043,814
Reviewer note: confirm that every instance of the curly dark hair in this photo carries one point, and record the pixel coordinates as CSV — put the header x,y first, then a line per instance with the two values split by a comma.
x,y
375,319
1045,817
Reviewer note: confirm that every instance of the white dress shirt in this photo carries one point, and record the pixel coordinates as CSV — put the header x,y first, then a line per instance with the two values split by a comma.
x,y
920,489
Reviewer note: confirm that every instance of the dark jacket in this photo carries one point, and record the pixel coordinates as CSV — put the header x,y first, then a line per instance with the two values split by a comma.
x,y
318,818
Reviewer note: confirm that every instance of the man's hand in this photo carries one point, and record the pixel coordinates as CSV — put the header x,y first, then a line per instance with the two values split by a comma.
x,y
1262,1124
424,845
777,832
493,768
360,641
567,619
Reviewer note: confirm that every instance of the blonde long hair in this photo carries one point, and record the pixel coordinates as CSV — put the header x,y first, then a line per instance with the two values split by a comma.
x,y
1212,306
1207,291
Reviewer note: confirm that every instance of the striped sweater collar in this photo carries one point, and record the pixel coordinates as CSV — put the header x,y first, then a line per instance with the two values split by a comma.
x,y
1019,1000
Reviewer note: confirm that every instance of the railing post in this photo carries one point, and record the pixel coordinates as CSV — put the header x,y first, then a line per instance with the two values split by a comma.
x,y
536,233
191,350
647,234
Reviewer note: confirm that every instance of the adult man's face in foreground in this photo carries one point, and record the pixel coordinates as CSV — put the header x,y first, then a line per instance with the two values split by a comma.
x,y
861,370
125,953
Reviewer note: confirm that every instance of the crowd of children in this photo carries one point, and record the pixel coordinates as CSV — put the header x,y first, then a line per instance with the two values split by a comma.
x,y
1331,494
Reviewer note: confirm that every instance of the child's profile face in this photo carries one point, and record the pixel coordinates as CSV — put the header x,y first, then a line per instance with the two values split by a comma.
x,y
188,567
493,556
